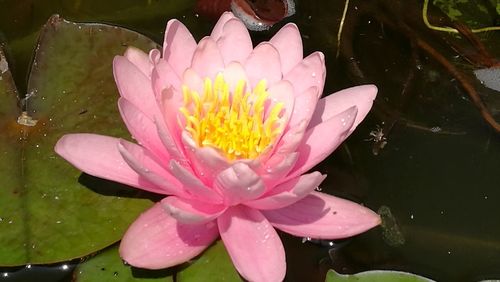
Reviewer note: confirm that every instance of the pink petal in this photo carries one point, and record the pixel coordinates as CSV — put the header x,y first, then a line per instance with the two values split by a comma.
x,y
141,161
163,77
289,192
178,46
292,138
309,72
239,183
139,59
142,128
168,128
233,73
234,43
360,96
282,92
156,240
98,155
193,80
320,141
169,144
289,45
276,167
193,185
217,31
135,86
323,216
207,162
307,101
207,59
253,244
264,63
191,211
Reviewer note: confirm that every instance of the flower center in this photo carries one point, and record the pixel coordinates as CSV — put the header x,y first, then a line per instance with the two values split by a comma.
x,y
241,124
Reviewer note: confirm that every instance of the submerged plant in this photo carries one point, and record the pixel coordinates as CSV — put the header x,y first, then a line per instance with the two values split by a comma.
x,y
228,132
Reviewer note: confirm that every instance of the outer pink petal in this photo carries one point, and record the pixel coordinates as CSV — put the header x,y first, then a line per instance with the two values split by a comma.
x,y
207,59
239,183
323,216
191,211
98,155
135,86
276,167
163,77
321,140
139,59
289,192
178,46
156,240
310,72
253,244
141,161
264,63
193,185
360,96
169,129
289,45
217,31
234,43
142,128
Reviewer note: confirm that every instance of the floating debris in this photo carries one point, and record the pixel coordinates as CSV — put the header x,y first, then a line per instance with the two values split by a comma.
x,y
27,120
391,232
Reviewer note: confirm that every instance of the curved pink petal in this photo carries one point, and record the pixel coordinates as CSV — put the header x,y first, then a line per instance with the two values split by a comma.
x,y
156,240
282,92
253,244
239,183
98,155
321,140
163,76
309,72
139,59
169,128
234,43
288,192
289,44
360,96
193,80
135,86
142,162
307,101
292,138
191,211
207,59
142,128
217,31
276,167
178,46
323,216
193,185
207,162
263,63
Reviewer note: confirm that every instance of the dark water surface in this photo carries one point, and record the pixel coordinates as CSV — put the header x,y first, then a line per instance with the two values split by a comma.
x,y
438,174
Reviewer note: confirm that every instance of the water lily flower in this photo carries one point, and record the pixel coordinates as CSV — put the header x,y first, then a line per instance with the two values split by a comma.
x,y
228,133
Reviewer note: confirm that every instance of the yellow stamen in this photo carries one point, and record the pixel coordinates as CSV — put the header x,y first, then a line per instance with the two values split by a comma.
x,y
238,123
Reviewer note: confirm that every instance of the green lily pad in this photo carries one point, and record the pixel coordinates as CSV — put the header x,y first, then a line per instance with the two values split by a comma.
x,y
214,264
108,266
376,276
50,211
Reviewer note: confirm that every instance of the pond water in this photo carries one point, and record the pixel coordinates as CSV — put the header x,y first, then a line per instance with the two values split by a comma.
x,y
436,179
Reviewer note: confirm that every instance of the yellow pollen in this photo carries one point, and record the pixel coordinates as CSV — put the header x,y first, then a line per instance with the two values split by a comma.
x,y
241,124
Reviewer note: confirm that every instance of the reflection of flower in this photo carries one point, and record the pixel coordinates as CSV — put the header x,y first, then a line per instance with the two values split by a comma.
x,y
227,131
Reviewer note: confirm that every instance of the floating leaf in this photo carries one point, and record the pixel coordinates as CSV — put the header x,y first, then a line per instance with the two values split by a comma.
x,y
376,276
108,266
50,211
214,265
